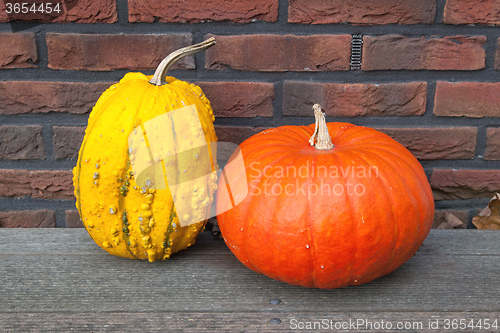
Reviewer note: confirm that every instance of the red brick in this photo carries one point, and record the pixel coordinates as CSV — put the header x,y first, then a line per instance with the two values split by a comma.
x,y
436,143
450,219
81,11
236,134
279,53
352,100
193,11
361,11
469,99
28,219
472,12
240,99
492,144
73,219
396,52
18,50
104,52
67,141
18,97
44,184
464,183
21,142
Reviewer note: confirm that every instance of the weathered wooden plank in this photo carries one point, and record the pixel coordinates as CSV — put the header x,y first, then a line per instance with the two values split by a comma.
x,y
462,242
46,278
77,241
249,322
199,283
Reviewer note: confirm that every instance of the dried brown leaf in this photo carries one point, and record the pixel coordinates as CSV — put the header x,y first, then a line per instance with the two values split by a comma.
x,y
489,218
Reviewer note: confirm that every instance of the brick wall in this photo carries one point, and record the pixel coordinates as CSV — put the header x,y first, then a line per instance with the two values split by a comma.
x,y
429,78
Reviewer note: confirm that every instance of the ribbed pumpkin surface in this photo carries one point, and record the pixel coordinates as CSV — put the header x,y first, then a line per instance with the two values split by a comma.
x,y
326,218
123,218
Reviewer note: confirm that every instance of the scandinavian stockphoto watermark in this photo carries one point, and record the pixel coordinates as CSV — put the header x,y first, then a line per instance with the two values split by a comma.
x,y
171,151
376,324
359,324
310,180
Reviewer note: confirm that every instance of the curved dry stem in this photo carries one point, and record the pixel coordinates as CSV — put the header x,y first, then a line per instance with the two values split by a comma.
x,y
160,74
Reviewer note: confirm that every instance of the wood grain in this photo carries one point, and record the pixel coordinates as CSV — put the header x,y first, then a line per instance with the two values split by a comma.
x,y
60,280
239,322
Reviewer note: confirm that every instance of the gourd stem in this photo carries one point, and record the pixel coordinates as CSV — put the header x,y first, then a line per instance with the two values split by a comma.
x,y
160,74
321,138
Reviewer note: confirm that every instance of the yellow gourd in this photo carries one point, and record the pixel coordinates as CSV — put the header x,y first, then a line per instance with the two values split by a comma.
x,y
125,216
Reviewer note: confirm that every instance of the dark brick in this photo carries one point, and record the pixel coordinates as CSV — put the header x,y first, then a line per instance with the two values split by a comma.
x,y
497,56
104,52
21,142
18,97
279,53
44,184
18,50
469,99
472,12
464,183
352,100
396,52
67,141
28,219
436,142
236,134
361,11
492,151
193,11
450,219
73,219
240,99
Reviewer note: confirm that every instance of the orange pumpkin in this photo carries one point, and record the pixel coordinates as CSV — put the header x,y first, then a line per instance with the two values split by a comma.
x,y
342,207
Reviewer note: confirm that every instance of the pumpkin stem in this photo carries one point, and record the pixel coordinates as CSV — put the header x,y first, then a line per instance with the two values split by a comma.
x,y
321,138
158,78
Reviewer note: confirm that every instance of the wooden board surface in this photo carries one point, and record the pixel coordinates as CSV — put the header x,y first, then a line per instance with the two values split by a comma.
x,y
59,277
245,322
